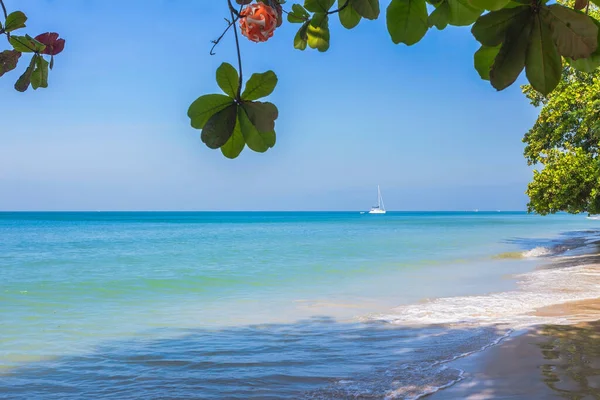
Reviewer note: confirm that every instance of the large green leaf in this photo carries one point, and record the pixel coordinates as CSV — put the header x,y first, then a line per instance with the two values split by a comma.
x,y
318,35
253,138
262,115
490,29
8,60
14,21
440,16
228,79
510,60
484,59
205,107
318,5
298,14
26,44
25,80
492,5
587,64
219,128
462,13
407,21
366,8
234,146
39,77
260,85
300,40
349,17
575,34
543,65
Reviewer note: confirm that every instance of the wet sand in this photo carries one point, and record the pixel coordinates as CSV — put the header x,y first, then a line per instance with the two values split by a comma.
x,y
544,362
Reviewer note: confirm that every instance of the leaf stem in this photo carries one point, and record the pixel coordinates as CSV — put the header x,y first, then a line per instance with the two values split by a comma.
x,y
339,9
237,45
4,9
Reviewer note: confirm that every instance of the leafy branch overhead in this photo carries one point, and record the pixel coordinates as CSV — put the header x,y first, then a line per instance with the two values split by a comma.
x,y
514,35
45,44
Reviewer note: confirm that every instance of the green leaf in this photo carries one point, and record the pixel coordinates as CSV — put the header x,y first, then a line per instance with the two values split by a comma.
x,y
575,34
318,36
8,60
15,20
366,8
318,19
298,14
25,80
262,115
234,146
510,60
205,107
228,79
39,77
462,13
219,128
254,139
407,21
484,59
260,85
492,5
318,5
490,29
26,44
440,16
301,37
349,17
587,64
543,65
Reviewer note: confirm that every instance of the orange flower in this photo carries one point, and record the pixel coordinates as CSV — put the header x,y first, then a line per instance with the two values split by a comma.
x,y
258,22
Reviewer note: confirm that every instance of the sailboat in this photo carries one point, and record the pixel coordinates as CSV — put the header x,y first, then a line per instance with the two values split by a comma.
x,y
379,208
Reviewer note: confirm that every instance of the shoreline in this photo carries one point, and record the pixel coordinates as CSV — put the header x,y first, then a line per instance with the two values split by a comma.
x,y
543,362
559,359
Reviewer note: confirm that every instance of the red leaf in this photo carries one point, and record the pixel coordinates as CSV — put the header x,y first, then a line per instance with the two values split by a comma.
x,y
54,45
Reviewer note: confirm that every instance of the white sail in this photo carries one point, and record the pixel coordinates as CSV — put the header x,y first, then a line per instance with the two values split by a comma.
x,y
380,207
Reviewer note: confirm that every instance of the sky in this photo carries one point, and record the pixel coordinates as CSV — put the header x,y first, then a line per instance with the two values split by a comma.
x,y
111,132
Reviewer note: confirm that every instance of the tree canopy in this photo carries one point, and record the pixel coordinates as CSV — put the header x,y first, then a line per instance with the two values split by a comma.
x,y
565,141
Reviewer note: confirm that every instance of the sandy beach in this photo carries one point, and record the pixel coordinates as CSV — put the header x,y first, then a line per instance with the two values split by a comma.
x,y
544,362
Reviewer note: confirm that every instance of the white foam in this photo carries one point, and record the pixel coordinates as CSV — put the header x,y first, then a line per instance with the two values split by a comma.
x,y
537,252
536,290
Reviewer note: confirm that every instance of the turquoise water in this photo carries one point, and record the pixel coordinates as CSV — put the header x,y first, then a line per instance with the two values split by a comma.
x,y
244,304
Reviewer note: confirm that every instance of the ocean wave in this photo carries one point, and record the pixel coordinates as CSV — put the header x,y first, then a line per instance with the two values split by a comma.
x,y
537,289
539,252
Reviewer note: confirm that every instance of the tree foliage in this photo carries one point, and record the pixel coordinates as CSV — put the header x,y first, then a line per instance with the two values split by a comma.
x,y
515,36
565,141
45,44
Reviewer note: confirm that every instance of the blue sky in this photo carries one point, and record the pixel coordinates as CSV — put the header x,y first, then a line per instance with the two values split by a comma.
x,y
111,131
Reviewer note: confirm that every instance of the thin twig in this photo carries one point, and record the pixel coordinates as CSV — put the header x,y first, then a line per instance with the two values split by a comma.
x,y
216,42
232,10
237,45
4,9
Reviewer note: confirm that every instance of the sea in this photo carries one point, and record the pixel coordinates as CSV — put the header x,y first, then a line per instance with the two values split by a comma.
x,y
272,305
